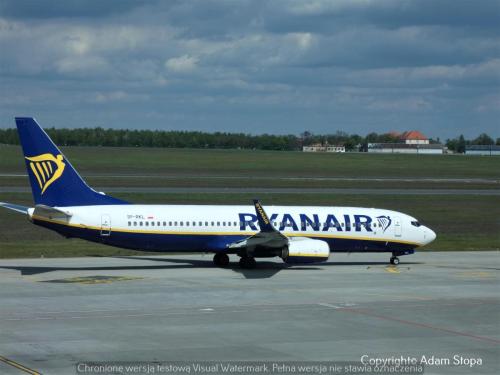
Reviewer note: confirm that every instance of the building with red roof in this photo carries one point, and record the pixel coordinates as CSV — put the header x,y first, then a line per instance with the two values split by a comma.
x,y
414,137
410,142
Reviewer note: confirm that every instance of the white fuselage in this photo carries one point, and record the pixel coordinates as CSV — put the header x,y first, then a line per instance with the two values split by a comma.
x,y
212,228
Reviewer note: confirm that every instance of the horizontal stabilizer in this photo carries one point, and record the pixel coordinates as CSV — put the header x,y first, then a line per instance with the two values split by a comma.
x,y
15,207
51,212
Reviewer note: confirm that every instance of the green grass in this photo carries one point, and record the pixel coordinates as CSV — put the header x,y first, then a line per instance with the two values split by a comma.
x,y
461,222
104,182
188,162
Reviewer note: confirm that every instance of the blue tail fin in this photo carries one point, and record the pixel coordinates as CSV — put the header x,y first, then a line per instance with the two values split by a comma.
x,y
54,181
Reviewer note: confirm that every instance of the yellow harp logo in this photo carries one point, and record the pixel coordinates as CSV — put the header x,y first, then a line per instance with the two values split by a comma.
x,y
47,169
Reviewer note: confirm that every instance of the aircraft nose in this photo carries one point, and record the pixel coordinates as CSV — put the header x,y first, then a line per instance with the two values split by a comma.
x,y
429,235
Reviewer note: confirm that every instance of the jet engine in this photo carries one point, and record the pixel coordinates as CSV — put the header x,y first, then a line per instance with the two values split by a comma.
x,y
305,250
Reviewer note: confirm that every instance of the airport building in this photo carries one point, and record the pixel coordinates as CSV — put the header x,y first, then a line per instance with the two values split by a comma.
x,y
482,150
318,147
410,142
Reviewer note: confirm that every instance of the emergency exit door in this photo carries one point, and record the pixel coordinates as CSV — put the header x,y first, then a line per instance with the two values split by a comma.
x,y
397,226
105,225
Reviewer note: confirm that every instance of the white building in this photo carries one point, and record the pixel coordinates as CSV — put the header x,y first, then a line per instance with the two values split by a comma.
x,y
323,148
411,142
414,137
405,148
482,150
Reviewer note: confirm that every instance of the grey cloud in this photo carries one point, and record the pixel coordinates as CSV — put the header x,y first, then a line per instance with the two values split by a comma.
x,y
36,9
254,66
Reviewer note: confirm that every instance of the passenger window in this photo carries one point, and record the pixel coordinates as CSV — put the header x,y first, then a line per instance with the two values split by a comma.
x,y
152,223
187,223
175,223
135,223
206,223
212,223
181,223
218,223
200,223
194,223
129,223
147,223
164,223
140,223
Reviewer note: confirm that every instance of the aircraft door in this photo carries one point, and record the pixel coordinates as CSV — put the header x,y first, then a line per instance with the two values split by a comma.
x,y
397,226
105,225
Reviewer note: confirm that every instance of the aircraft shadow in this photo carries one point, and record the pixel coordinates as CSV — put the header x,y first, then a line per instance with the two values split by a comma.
x,y
263,269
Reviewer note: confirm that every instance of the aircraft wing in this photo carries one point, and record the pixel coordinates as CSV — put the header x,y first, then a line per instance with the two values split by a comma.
x,y
15,207
268,237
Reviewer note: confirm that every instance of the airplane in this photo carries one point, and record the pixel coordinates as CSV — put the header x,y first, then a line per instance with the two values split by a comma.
x,y
64,203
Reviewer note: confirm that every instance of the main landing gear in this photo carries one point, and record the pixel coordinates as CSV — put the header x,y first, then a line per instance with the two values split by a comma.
x,y
221,260
394,260
247,262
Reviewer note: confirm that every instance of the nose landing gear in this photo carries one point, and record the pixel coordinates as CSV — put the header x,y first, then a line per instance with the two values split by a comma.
x,y
394,260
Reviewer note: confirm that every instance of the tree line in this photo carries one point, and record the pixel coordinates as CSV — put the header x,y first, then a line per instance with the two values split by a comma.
x,y
221,140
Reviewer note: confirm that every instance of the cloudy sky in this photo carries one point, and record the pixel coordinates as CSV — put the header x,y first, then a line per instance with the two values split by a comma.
x,y
254,66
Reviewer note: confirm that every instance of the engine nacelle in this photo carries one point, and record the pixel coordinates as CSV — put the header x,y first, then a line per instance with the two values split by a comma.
x,y
306,250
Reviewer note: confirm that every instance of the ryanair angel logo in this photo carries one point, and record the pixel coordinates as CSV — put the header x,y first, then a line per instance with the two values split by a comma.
x,y
384,222
47,169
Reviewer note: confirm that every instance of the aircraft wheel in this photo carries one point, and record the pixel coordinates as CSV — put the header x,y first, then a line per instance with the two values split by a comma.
x,y
247,262
395,260
221,260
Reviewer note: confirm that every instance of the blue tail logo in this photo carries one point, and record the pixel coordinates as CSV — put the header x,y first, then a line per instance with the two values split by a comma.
x,y
47,169
54,181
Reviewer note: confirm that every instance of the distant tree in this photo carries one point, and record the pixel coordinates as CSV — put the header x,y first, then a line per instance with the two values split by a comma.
x,y
452,144
461,144
372,138
434,141
483,139
498,142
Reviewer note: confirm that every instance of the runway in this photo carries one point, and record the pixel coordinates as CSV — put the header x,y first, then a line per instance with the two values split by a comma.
x,y
219,190
55,313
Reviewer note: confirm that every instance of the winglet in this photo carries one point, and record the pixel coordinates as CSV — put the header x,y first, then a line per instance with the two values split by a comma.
x,y
264,222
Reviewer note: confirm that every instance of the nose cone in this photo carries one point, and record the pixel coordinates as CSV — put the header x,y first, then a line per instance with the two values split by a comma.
x,y
429,235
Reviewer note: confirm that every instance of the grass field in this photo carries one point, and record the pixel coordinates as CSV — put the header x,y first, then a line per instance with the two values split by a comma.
x,y
462,222
131,167
182,162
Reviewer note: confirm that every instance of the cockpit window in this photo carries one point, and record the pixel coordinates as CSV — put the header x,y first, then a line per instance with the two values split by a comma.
x,y
415,224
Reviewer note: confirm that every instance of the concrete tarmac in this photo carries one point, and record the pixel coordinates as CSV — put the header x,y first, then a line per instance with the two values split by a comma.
x,y
55,313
